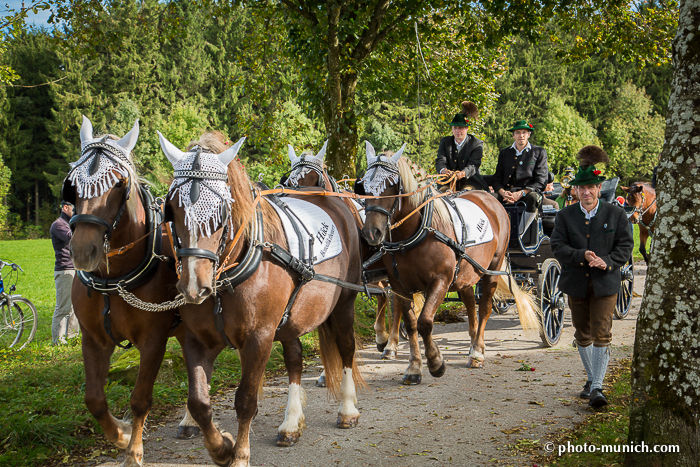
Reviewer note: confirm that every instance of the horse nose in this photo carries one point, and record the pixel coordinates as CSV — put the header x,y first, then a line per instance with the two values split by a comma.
x,y
372,235
194,295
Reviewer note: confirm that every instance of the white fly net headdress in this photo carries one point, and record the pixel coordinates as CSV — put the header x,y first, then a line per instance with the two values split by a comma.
x,y
304,164
102,159
380,170
201,185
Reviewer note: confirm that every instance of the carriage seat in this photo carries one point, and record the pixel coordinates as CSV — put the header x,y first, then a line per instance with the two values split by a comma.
x,y
530,236
607,189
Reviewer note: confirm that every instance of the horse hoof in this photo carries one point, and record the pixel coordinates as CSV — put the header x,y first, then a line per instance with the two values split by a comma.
x,y
287,439
412,379
321,382
475,363
348,422
187,432
380,347
439,372
389,354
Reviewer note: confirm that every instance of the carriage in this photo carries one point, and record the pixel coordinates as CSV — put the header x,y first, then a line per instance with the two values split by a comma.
x,y
533,264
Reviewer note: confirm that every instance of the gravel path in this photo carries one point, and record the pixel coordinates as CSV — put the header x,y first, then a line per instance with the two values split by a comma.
x,y
466,418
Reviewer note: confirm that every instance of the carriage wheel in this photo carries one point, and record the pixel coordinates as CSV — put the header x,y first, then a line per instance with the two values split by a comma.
x,y
624,296
551,301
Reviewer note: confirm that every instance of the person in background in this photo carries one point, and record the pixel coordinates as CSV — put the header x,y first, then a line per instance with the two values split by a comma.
x,y
462,152
548,190
592,240
64,324
521,173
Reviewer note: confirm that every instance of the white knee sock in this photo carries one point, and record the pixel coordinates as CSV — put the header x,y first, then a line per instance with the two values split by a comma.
x,y
600,359
586,356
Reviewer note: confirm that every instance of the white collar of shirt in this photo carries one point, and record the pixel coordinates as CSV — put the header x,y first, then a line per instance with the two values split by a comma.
x,y
593,212
526,148
459,145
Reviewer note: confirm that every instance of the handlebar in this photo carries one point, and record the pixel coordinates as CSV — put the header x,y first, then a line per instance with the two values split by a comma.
x,y
14,266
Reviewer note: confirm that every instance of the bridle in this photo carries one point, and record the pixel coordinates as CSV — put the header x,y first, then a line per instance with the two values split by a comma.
x,y
102,149
641,211
199,178
394,170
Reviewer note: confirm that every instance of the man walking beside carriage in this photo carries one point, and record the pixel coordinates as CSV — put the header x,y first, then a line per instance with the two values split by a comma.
x,y
591,241
521,172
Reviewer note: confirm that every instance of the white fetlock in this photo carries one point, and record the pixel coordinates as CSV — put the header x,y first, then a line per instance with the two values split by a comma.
x,y
124,434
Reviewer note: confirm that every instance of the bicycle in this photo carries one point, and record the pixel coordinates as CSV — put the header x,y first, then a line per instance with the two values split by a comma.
x,y
18,316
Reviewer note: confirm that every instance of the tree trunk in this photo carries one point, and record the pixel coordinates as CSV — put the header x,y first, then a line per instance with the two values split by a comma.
x,y
36,202
665,407
339,106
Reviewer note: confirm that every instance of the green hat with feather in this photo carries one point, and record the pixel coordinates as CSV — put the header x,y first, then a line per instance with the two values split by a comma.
x,y
588,157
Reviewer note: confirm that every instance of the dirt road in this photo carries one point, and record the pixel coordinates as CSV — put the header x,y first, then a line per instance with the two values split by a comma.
x,y
465,418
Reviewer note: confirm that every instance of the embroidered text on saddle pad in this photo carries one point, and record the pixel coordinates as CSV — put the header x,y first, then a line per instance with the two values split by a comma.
x,y
316,222
478,225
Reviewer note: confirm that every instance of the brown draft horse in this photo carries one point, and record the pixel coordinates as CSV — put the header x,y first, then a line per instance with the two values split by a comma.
x,y
309,170
643,197
111,209
430,267
251,314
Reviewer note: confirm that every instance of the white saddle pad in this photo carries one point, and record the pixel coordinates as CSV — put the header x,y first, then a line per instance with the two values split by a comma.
x,y
315,222
478,225
360,210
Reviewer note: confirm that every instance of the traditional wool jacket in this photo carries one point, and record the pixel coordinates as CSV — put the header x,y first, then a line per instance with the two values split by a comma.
x,y
530,170
60,238
607,234
467,159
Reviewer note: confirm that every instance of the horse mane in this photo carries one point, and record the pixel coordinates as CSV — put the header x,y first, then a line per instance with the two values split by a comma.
x,y
243,209
441,217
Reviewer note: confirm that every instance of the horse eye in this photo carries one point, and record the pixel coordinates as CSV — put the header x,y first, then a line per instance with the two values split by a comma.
x,y
120,184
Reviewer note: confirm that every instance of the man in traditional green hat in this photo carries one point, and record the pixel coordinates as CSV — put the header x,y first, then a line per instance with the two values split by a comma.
x,y
521,172
592,240
462,152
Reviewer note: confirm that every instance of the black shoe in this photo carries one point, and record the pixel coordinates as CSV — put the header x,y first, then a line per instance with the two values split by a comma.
x,y
586,393
597,399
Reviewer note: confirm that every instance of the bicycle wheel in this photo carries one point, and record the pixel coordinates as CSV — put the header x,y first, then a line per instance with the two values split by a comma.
x,y
18,323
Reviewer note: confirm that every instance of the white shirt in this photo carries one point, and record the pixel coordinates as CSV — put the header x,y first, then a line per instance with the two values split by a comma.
x,y
459,145
526,148
593,211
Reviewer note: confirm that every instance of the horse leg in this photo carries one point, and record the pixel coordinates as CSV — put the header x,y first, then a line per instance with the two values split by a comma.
x,y
469,300
433,299
254,356
96,360
321,381
188,428
381,336
413,374
142,396
290,430
643,236
476,352
393,344
200,364
341,326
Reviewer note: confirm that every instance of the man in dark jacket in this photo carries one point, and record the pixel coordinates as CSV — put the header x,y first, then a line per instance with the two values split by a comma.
x,y
592,241
461,153
521,172
64,324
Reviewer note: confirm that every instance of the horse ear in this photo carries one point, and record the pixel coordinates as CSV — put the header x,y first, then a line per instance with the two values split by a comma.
x,y
395,158
370,150
85,131
128,142
322,153
173,154
625,189
228,155
291,153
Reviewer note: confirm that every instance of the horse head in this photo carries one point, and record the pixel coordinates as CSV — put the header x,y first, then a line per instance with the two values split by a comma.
x,y
637,198
198,205
99,185
382,178
307,169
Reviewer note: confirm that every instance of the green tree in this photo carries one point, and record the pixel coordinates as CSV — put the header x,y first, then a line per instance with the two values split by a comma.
x,y
634,135
563,132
